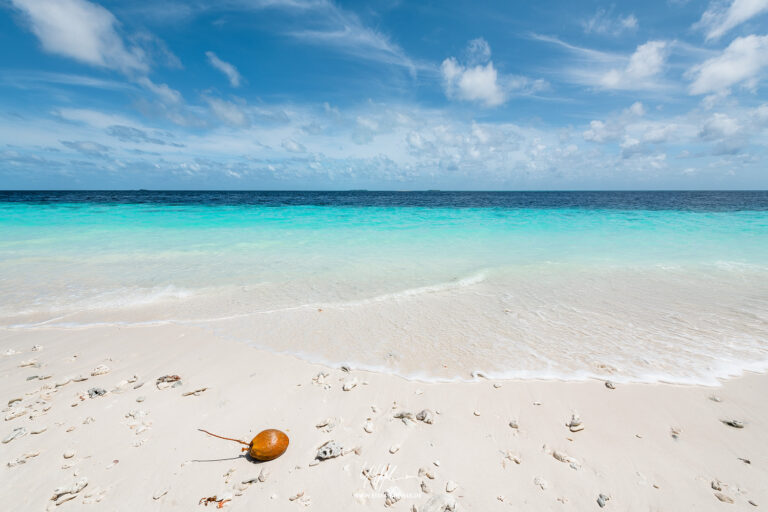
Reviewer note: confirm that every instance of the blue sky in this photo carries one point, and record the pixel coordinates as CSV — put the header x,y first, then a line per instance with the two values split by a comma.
x,y
381,94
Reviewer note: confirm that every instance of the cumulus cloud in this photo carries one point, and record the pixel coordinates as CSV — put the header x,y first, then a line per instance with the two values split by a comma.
x,y
721,17
477,83
81,30
604,23
643,66
477,79
719,126
598,132
637,109
233,75
740,63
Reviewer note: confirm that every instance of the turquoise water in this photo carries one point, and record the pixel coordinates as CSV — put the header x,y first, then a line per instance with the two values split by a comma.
x,y
426,292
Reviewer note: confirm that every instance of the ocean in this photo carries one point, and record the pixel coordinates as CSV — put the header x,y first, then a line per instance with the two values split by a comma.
x,y
631,286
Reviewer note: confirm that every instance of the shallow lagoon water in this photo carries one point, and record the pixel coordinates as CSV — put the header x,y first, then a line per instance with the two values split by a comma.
x,y
632,286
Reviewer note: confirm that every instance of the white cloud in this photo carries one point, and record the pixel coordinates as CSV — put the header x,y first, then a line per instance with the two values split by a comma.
x,y
637,109
719,126
228,112
478,51
81,30
642,70
478,80
292,146
478,83
719,18
741,62
598,132
643,66
163,91
332,26
225,67
604,23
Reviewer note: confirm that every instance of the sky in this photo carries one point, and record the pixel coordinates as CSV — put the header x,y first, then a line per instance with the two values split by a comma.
x,y
383,94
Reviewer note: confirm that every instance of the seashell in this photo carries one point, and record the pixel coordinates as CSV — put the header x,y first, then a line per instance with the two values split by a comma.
x,y
74,488
392,496
37,348
425,488
426,416
723,497
715,398
28,362
167,381
63,382
368,427
15,434
451,486
394,449
349,385
476,413
328,424
15,412
733,423
601,499
575,424
329,450
540,482
102,369
717,485
564,457
610,385
69,454
513,424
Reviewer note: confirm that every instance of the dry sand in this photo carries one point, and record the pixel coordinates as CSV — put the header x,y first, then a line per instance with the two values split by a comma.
x,y
646,447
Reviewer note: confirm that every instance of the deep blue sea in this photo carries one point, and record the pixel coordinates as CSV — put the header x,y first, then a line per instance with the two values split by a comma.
x,y
642,286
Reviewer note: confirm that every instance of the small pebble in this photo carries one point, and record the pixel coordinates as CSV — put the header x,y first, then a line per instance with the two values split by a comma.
x,y
69,454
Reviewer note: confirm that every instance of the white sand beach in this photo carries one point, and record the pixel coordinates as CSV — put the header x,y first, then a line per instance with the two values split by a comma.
x,y
136,447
